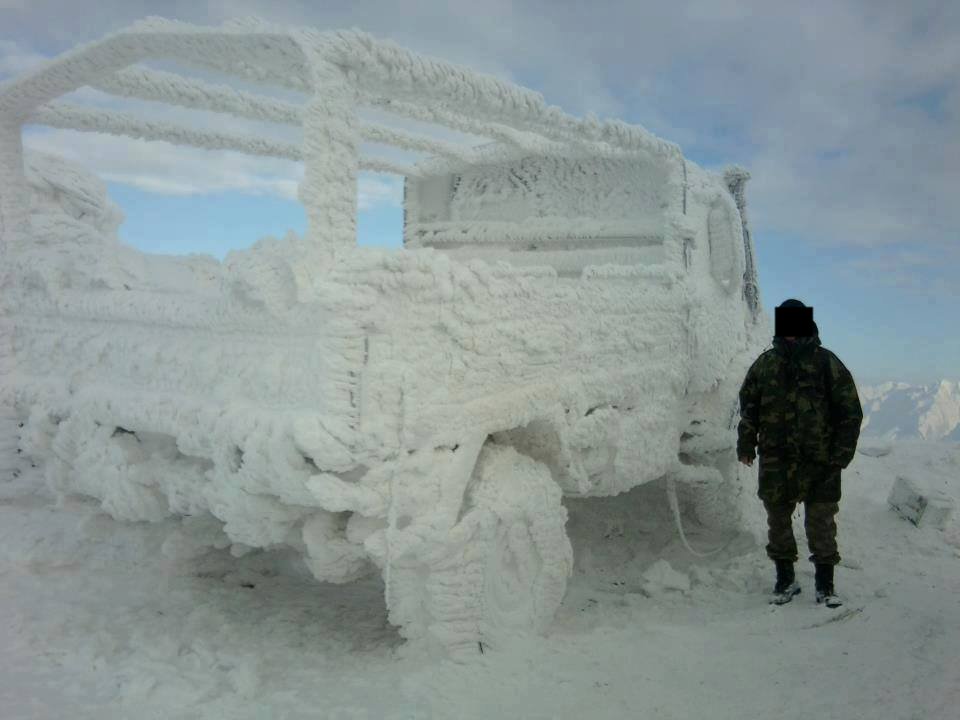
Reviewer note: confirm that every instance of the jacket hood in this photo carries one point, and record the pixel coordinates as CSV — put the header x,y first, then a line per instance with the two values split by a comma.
x,y
815,336
799,346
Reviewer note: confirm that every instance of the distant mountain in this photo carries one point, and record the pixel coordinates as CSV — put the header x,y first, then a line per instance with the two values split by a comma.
x,y
901,410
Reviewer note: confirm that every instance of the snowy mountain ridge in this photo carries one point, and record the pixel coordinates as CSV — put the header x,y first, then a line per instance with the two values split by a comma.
x,y
897,410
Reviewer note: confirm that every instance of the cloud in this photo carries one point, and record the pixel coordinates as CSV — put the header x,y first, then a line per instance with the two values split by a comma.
x,y
169,169
16,59
172,170
917,271
374,190
845,111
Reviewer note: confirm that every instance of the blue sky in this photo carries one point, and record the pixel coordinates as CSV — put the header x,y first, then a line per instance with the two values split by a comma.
x,y
846,113
218,222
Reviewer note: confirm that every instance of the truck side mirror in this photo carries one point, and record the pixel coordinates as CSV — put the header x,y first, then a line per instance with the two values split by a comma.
x,y
725,234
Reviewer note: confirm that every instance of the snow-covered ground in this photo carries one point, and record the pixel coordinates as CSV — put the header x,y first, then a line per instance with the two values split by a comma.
x,y
97,623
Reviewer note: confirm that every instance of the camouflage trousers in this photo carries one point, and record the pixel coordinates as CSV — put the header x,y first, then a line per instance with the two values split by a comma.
x,y
819,521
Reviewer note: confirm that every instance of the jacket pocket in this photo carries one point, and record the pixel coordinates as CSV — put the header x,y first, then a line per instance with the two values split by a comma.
x,y
775,483
825,484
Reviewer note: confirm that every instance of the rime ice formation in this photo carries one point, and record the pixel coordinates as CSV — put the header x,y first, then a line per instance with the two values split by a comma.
x,y
571,315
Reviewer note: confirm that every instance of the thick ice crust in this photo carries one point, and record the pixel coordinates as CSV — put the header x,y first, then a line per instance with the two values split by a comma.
x,y
585,313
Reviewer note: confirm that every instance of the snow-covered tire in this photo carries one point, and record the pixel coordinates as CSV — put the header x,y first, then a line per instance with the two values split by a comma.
x,y
718,505
528,555
505,572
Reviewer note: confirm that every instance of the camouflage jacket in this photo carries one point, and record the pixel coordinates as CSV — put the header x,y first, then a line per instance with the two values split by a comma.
x,y
799,406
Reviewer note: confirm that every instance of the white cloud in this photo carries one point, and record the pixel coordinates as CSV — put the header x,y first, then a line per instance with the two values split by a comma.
x,y
824,101
16,59
172,170
374,190
915,271
169,169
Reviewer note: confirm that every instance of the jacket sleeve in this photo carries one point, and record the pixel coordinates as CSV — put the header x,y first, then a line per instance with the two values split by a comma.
x,y
846,414
749,415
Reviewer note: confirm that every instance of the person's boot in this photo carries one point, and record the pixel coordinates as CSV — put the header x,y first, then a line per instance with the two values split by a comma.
x,y
825,591
787,585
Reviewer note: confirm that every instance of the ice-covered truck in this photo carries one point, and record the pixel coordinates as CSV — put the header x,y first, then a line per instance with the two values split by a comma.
x,y
570,315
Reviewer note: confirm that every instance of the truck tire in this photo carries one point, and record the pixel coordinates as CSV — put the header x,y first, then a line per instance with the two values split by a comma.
x,y
718,505
505,572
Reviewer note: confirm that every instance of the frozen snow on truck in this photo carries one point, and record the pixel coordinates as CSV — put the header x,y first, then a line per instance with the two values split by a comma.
x,y
570,315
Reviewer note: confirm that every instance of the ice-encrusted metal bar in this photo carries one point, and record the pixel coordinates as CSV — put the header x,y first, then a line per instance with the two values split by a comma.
x,y
174,89
72,117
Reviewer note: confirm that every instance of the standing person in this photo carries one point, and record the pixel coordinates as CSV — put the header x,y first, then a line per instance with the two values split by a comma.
x,y
799,406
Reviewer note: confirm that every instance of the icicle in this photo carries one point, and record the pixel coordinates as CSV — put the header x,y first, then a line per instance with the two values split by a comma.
x,y
392,506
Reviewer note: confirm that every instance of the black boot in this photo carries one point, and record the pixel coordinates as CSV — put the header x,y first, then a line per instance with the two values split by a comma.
x,y
786,586
825,591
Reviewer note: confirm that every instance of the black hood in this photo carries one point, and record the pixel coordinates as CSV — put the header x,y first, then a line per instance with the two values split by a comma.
x,y
792,303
